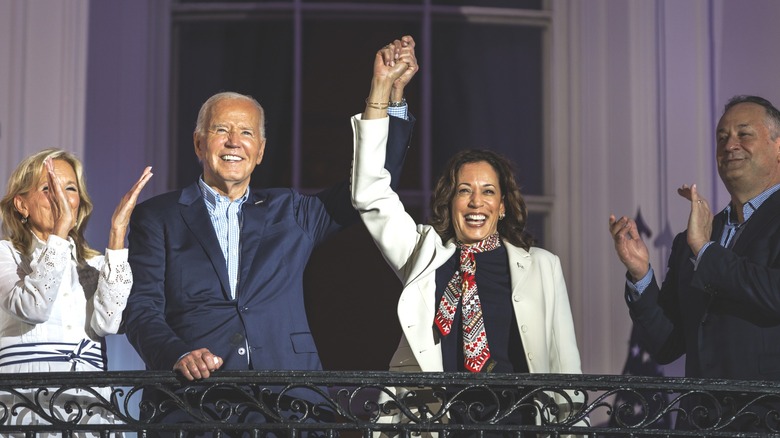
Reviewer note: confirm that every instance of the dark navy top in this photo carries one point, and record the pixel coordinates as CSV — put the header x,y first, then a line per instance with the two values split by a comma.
x,y
495,293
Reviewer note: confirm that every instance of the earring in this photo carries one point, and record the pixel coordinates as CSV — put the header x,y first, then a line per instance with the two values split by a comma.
x,y
23,220
501,216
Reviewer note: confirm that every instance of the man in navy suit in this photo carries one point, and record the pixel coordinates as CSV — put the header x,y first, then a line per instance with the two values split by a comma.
x,y
720,301
218,268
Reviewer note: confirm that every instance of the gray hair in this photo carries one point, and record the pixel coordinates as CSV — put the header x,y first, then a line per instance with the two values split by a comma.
x,y
205,110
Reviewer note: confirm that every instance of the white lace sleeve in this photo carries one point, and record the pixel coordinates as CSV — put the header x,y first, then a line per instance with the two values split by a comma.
x,y
29,286
110,299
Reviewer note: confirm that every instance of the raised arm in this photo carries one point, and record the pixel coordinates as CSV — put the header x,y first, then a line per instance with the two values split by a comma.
x,y
121,217
116,278
394,231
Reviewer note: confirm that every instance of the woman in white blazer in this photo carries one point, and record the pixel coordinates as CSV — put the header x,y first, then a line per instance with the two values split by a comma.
x,y
521,301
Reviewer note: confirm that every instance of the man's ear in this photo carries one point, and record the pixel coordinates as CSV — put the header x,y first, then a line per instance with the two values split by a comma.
x,y
777,147
196,139
261,147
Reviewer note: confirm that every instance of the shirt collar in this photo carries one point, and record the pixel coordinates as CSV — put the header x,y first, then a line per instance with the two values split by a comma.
x,y
750,207
39,245
211,197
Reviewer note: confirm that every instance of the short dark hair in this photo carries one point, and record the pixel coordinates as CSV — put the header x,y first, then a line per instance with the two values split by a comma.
x,y
511,228
773,115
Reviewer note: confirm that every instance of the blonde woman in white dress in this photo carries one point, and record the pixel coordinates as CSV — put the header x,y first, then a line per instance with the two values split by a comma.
x,y
58,297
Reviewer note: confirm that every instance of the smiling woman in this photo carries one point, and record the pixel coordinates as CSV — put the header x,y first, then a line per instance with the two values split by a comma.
x,y
478,203
59,296
511,315
36,208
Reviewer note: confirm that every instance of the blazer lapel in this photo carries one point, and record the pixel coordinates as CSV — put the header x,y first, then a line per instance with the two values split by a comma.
x,y
442,253
519,266
196,217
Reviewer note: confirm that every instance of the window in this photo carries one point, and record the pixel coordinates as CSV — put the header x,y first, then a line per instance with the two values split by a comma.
x,y
481,85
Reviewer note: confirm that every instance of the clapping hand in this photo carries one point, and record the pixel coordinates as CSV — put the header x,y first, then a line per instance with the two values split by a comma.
x,y
700,219
121,217
62,213
630,247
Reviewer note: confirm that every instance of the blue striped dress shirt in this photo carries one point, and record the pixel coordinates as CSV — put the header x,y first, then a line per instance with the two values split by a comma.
x,y
225,216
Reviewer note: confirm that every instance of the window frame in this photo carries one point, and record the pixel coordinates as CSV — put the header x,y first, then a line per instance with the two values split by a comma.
x,y
427,12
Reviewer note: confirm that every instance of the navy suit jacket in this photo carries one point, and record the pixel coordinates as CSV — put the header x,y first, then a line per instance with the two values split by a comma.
x,y
725,315
181,301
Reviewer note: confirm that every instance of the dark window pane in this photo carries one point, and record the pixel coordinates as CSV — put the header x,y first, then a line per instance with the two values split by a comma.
x,y
516,4
487,94
537,225
247,57
401,2
351,294
338,56
227,3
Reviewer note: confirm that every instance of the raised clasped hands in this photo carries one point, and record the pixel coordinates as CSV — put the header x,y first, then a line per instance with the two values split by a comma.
x,y
700,219
394,66
399,52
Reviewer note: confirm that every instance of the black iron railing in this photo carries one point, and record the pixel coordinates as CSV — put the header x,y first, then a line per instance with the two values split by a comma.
x,y
362,404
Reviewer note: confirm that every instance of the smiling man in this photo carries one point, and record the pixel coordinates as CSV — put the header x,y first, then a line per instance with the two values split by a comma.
x,y
720,302
218,268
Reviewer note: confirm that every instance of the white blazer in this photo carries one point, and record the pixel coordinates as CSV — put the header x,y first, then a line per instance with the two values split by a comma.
x,y
414,252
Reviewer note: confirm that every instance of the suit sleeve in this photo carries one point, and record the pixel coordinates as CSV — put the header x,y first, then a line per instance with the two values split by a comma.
x,y
750,281
656,314
399,137
331,209
145,323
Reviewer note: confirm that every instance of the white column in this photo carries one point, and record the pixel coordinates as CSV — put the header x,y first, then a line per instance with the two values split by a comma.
x,y
42,78
631,123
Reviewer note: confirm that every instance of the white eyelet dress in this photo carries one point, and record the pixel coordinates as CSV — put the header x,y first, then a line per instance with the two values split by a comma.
x,y
53,319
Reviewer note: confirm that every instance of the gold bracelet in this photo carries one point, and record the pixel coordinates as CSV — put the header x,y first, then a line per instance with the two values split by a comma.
x,y
377,105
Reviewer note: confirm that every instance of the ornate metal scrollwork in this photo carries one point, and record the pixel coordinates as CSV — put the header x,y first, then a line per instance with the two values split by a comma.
x,y
329,403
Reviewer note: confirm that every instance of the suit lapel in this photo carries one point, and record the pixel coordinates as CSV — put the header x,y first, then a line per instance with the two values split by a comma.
x,y
718,223
253,222
196,217
762,220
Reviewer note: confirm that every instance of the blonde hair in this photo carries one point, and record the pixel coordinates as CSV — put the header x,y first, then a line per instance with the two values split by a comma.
x,y
22,180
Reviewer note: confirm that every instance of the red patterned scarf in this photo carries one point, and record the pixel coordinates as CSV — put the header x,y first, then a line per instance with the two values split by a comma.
x,y
462,285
